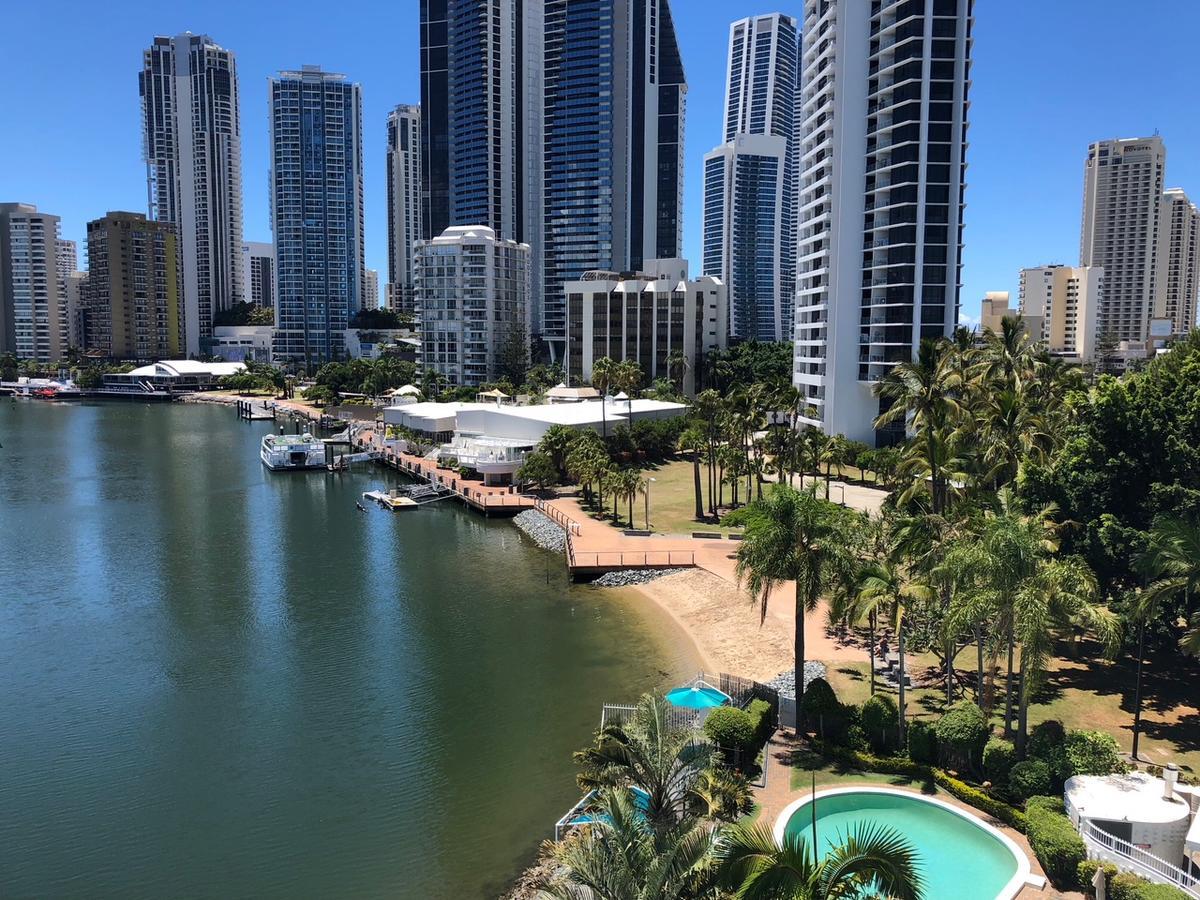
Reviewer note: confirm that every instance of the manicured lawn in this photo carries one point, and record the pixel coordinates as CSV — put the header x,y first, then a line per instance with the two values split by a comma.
x,y
1085,692
806,763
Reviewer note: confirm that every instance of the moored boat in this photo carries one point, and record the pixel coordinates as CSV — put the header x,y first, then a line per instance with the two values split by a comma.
x,y
292,451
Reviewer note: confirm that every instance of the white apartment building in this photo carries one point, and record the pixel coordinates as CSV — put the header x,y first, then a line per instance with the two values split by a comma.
x,y
1061,308
882,120
371,290
1179,251
192,145
473,299
404,202
1122,199
33,320
645,317
258,273
750,180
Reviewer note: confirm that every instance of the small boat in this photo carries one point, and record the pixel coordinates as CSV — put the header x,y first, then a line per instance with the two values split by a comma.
x,y
286,452
391,501
361,508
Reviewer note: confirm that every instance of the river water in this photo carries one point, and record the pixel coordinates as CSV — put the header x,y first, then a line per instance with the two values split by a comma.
x,y
219,681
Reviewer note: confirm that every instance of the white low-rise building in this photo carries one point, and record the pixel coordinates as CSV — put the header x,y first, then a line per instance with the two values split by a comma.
x,y
238,343
493,438
1143,824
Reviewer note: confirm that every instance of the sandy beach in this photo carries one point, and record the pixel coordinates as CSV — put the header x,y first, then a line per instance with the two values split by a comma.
x,y
722,623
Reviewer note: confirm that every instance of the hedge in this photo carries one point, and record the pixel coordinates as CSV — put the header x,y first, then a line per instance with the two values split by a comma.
x,y
998,757
1029,778
1087,869
760,717
880,720
730,728
922,742
1057,844
1125,886
906,768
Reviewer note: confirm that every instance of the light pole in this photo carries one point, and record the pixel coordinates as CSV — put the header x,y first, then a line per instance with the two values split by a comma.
x,y
649,481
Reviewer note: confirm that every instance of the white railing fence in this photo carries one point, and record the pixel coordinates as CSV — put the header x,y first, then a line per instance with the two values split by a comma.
x,y
1120,851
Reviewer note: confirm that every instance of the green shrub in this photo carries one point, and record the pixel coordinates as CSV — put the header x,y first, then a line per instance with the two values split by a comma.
x,y
1090,753
922,742
961,733
1126,886
1047,802
1087,869
1058,846
1028,778
819,703
1046,742
880,720
1014,818
855,738
998,757
730,728
762,720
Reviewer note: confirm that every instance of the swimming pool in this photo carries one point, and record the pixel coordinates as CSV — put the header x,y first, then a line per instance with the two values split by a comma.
x,y
959,856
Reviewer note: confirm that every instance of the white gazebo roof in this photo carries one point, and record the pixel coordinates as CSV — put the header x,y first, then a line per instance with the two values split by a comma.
x,y
1135,797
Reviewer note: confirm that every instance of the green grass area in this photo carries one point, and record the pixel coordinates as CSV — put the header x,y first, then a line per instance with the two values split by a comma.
x,y
1084,692
807,763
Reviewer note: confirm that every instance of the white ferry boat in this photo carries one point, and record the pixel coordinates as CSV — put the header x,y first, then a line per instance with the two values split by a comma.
x,y
292,451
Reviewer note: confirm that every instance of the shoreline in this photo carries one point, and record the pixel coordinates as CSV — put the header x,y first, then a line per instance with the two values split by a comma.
x,y
720,623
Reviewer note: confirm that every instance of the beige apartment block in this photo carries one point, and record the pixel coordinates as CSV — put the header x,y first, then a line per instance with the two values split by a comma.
x,y
1179,262
1061,307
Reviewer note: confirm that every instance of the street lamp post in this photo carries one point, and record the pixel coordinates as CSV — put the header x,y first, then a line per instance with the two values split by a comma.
x,y
649,481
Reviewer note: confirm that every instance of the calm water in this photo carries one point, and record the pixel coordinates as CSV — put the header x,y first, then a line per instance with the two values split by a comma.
x,y
217,681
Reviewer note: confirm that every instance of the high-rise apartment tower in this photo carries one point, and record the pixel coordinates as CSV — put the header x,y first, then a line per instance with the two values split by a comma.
x,y
316,212
883,139
193,151
750,180
404,202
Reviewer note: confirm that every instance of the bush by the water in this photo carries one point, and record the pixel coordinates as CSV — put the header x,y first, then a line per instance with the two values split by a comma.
x,y
961,734
1028,778
730,728
998,756
1058,846
880,718
922,742
1091,753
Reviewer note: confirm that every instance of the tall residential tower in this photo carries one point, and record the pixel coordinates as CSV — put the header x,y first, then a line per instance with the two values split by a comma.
x,y
883,125
750,180
193,151
33,317
404,202
1122,196
481,119
614,108
316,212
1179,252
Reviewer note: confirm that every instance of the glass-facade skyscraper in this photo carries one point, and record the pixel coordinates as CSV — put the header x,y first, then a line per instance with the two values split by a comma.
x,y
192,144
750,180
614,117
316,212
404,202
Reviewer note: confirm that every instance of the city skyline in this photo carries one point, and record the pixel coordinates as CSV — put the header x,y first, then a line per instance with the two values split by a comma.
x,y
1025,153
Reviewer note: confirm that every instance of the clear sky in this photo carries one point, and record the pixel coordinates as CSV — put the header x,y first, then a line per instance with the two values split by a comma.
x,y
1049,77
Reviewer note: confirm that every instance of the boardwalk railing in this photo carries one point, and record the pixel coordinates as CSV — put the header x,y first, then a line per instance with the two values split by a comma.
x,y
1120,851
630,559
569,525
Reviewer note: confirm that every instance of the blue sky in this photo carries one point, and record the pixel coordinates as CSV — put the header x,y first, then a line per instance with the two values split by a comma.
x,y
1049,77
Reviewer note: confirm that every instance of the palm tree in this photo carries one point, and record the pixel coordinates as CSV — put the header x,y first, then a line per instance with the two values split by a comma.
x,y
604,372
647,752
885,588
677,366
693,441
622,856
925,391
873,860
707,409
792,536
1172,559
556,443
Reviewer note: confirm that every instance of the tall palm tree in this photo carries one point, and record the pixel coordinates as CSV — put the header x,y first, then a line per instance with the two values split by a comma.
x,y
693,441
1172,559
604,374
873,860
793,536
707,409
677,366
886,588
925,393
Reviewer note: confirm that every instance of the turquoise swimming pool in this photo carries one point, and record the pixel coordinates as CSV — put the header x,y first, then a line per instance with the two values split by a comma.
x,y
960,856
